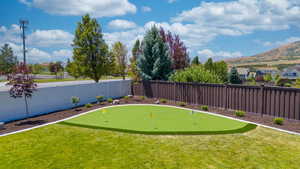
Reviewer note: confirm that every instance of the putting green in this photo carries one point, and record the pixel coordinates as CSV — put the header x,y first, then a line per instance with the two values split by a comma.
x,y
157,119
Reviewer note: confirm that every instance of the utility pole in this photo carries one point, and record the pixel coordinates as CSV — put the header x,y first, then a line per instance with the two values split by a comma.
x,y
23,26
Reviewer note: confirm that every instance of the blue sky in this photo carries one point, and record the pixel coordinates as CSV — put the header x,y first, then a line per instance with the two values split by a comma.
x,y
219,29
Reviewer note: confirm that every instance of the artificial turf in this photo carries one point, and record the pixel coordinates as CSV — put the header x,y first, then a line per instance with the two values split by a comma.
x,y
154,119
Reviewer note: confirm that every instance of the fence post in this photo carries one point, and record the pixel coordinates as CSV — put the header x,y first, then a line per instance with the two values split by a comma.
x,y
226,96
174,92
262,99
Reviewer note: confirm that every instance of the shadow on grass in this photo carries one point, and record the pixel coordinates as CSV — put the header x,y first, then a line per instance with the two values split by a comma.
x,y
244,129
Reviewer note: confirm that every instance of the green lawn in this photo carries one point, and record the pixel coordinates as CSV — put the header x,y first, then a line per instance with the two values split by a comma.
x,y
154,119
62,146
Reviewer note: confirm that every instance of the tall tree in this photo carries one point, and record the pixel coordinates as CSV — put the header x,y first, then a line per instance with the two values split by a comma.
x,y
178,51
90,50
7,59
234,76
119,52
55,67
196,61
136,51
154,62
209,64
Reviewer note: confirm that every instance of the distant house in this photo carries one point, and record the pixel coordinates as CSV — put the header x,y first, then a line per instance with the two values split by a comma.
x,y
243,72
291,72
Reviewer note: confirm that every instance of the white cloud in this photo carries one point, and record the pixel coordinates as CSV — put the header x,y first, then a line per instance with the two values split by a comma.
x,y
121,24
97,8
278,43
243,16
47,38
146,9
220,55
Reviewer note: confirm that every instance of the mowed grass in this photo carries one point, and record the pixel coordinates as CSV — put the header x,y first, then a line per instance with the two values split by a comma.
x,y
70,147
156,119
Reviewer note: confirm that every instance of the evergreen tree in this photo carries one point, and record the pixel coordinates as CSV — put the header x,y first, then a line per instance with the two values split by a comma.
x,y
90,50
196,61
234,76
119,52
7,59
154,62
209,64
136,51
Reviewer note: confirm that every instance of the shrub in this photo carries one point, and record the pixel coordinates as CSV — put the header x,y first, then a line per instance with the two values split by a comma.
x,y
287,85
142,97
240,113
163,100
100,98
278,121
75,100
195,74
126,97
109,100
204,108
89,105
182,104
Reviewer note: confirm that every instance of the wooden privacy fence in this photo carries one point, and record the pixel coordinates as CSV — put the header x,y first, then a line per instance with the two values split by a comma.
x,y
273,101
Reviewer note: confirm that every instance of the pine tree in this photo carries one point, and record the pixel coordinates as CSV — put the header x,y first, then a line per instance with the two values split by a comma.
x,y
196,61
154,62
7,59
90,50
136,51
209,64
234,76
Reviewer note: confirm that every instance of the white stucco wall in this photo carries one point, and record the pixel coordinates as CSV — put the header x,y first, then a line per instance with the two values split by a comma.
x,y
50,98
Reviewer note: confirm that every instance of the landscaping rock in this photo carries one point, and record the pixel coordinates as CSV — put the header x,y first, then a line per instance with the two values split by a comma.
x,y
116,102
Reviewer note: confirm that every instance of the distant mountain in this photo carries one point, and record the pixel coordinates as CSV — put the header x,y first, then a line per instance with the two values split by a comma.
x,y
286,54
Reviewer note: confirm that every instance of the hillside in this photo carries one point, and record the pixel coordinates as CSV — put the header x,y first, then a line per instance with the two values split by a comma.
x,y
286,54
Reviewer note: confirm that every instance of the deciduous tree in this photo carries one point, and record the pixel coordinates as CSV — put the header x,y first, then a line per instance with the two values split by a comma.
x,y
7,59
178,51
119,52
90,51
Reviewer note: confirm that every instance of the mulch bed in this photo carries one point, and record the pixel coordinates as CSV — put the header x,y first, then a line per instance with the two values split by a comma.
x,y
291,125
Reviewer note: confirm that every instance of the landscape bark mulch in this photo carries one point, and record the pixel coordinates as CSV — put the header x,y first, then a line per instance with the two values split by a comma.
x,y
291,125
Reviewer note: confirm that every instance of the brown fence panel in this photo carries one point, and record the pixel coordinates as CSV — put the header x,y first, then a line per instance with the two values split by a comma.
x,y
272,101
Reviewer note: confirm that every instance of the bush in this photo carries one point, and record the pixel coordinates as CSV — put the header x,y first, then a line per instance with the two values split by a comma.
x,y
100,98
75,100
142,97
109,100
126,98
89,105
287,85
182,104
240,113
204,108
163,100
195,74
278,121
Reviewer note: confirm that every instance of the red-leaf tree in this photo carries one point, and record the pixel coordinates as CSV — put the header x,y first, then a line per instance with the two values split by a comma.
x,y
178,51
22,83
